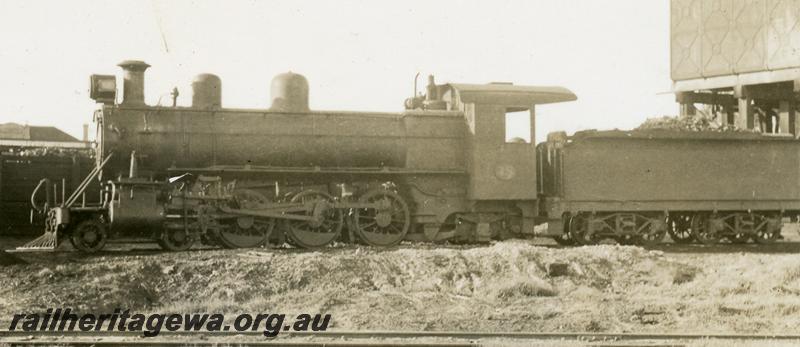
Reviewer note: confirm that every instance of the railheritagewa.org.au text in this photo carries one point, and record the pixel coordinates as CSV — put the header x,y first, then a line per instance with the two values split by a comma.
x,y
271,324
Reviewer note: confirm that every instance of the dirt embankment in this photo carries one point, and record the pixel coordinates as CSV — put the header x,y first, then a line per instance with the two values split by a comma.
x,y
508,286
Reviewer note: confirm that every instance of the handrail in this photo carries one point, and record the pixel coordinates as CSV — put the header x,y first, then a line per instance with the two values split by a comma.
x,y
82,187
33,196
108,200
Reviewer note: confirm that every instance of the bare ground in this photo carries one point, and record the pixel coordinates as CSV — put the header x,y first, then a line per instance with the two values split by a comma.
x,y
499,287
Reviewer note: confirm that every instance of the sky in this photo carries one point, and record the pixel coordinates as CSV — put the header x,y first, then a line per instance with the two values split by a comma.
x,y
357,55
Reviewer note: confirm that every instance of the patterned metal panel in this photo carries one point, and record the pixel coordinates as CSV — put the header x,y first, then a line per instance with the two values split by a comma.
x,y
748,29
783,34
723,37
716,41
685,40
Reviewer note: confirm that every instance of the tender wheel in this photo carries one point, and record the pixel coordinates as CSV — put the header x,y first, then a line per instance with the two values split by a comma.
x,y
565,239
246,232
680,229
704,230
768,230
386,225
175,240
579,229
652,230
628,240
738,238
89,236
324,229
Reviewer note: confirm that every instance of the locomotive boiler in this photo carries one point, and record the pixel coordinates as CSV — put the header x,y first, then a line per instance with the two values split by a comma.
x,y
440,170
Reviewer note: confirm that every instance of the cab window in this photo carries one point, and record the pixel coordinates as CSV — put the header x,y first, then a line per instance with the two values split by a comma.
x,y
518,126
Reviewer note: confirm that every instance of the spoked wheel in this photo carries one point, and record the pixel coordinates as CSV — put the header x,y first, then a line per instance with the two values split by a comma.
x,y
565,239
175,239
386,225
246,232
579,229
767,231
679,228
651,230
740,227
703,230
323,229
89,236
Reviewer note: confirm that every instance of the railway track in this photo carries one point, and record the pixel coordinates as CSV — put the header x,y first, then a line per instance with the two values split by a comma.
x,y
196,343
471,338
138,248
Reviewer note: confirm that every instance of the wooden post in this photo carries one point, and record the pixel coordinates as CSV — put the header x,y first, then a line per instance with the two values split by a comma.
x,y
744,119
787,117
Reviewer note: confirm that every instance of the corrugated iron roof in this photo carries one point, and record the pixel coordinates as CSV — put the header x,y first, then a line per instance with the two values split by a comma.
x,y
13,131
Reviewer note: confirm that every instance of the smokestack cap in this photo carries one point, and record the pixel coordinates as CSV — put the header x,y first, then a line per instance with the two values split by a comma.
x,y
134,65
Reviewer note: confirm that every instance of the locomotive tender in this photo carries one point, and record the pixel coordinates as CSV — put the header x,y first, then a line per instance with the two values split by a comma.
x,y
442,170
633,186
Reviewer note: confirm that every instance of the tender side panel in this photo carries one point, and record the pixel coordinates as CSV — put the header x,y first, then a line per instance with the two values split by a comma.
x,y
680,172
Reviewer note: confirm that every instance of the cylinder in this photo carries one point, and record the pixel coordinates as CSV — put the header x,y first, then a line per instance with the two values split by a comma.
x,y
289,93
133,82
206,91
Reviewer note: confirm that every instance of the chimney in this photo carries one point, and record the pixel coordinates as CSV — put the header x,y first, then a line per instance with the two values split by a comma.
x,y
85,132
133,82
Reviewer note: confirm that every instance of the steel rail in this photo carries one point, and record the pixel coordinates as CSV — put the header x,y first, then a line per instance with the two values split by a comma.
x,y
202,343
364,334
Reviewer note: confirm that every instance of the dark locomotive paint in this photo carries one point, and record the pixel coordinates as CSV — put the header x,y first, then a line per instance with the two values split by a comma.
x,y
737,181
444,166
441,169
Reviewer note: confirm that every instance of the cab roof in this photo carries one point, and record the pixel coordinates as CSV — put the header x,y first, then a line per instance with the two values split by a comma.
x,y
508,94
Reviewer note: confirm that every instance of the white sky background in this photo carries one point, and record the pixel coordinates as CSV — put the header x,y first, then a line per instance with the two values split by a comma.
x,y
357,55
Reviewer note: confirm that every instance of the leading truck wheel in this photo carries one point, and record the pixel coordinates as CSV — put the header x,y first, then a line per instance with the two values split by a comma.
x,y
89,236
385,225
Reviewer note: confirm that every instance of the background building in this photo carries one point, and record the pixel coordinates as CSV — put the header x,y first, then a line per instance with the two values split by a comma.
x,y
740,58
29,154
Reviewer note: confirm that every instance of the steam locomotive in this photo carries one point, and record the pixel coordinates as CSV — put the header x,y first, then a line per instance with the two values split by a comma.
x,y
442,170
